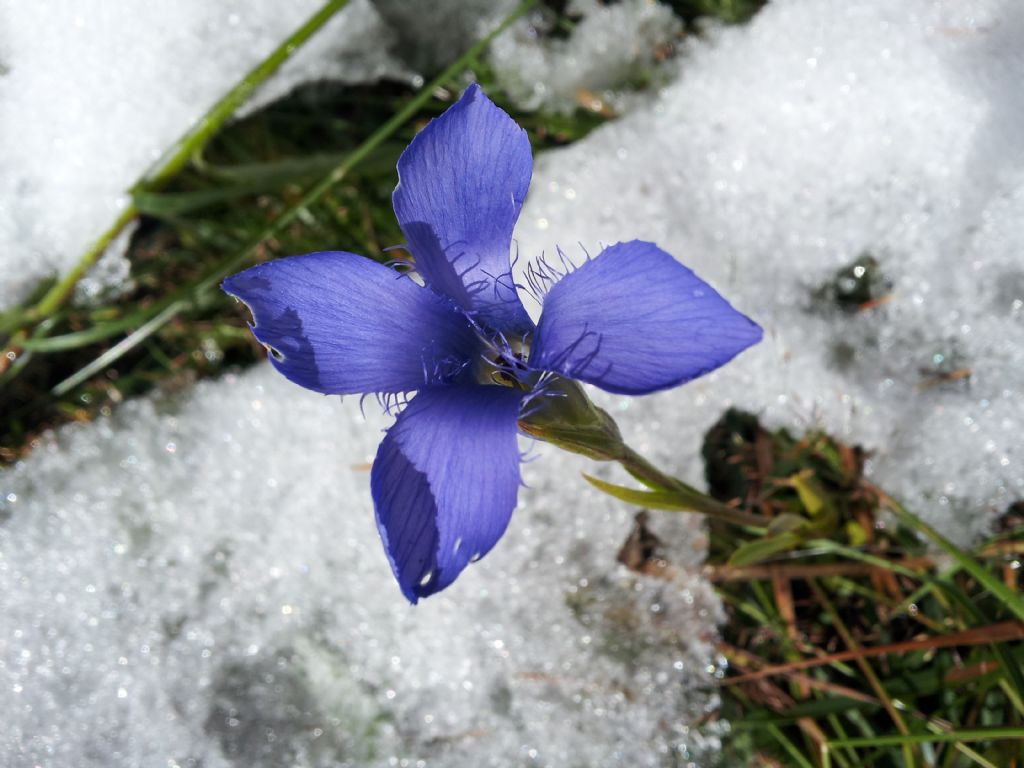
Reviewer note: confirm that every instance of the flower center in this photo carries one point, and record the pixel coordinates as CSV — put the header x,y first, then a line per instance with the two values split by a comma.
x,y
504,365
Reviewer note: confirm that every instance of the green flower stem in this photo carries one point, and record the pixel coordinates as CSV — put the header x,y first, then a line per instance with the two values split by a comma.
x,y
698,501
162,312
568,418
176,157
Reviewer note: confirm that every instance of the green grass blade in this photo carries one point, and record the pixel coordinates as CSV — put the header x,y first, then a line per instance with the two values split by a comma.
x,y
123,346
865,666
759,550
951,591
790,747
971,755
966,735
670,500
665,500
96,333
1013,600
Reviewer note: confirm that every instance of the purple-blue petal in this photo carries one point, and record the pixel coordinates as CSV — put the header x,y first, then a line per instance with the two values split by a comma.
x,y
462,182
445,482
338,323
634,320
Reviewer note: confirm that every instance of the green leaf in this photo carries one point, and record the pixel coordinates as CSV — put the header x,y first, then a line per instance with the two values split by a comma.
x,y
1012,599
791,749
650,499
759,550
788,522
167,204
856,534
811,494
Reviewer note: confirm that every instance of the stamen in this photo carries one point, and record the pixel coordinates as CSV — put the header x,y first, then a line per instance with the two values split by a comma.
x,y
542,273
391,403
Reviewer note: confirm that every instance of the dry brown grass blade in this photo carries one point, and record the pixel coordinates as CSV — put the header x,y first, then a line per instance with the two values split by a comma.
x,y
941,378
743,658
720,573
735,655
1006,631
1002,548
787,610
966,674
775,698
865,668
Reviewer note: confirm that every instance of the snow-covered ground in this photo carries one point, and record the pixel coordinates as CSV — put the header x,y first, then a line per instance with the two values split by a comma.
x,y
203,583
197,580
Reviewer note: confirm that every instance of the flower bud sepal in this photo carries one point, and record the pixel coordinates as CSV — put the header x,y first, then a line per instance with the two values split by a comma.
x,y
562,414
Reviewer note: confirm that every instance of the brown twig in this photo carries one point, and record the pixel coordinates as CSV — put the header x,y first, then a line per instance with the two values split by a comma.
x,y
720,573
1006,631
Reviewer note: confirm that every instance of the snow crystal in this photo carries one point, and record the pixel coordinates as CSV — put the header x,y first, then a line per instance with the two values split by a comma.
x,y
356,46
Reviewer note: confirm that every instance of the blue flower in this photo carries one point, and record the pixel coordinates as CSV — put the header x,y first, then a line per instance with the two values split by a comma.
x,y
631,320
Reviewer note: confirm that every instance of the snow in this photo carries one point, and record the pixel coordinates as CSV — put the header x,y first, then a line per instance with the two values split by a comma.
x,y
197,580
202,583
428,42
611,50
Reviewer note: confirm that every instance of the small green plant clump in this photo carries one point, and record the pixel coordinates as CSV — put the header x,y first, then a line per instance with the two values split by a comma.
x,y
856,643
860,285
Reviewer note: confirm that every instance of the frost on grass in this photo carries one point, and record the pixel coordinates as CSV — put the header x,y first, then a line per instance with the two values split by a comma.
x,y
202,584
821,133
